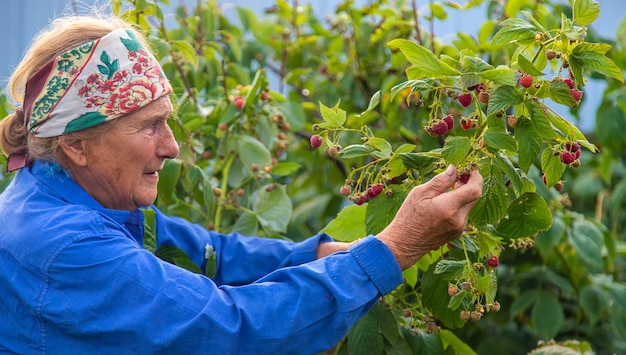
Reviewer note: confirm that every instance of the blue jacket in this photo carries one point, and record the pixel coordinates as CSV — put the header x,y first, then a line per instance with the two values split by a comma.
x,y
75,278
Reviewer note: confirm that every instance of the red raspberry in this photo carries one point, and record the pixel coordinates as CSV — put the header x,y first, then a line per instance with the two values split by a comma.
x,y
493,261
466,123
345,190
526,80
568,157
440,128
316,141
377,189
569,83
449,120
543,178
465,99
464,178
239,102
572,147
576,94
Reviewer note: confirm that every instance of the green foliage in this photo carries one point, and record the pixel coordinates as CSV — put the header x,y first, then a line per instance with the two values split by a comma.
x,y
373,83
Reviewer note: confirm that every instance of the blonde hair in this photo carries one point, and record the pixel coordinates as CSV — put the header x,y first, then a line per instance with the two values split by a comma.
x,y
60,36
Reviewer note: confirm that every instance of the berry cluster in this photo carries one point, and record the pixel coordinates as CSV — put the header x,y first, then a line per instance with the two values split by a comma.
x,y
441,126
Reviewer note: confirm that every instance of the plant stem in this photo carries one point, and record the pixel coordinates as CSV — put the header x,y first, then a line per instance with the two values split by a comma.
x,y
222,198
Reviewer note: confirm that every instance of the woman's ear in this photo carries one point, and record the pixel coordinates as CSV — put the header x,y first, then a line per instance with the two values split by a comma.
x,y
75,150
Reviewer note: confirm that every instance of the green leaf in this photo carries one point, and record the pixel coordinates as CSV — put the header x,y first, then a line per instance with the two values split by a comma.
x,y
247,18
585,11
333,117
525,217
178,257
547,316
374,101
501,76
527,66
528,143
424,163
285,168
514,30
273,208
376,221
591,57
383,148
450,269
423,59
546,241
587,240
386,322
450,339
552,167
415,85
497,138
349,225
210,269
594,302
436,299
252,151
168,177
524,301
540,121
503,161
456,149
492,205
560,93
610,126
503,98
149,229
365,338
187,51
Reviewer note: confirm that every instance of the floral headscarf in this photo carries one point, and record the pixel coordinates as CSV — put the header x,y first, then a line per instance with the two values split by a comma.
x,y
91,84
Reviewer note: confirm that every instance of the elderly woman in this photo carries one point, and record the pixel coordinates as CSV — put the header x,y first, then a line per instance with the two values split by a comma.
x,y
88,140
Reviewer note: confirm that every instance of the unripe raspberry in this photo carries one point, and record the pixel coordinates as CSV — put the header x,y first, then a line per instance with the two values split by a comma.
x,y
511,120
222,126
332,151
495,307
407,313
453,290
345,190
559,185
465,315
316,141
575,163
484,96
476,315
550,54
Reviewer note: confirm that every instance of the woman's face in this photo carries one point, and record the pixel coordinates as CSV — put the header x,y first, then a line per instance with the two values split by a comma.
x,y
121,166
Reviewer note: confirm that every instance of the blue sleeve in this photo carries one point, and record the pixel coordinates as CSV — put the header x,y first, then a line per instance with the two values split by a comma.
x,y
145,305
240,259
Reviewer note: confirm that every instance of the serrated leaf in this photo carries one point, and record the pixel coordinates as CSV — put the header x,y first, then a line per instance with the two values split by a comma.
x,y
547,316
252,151
349,225
585,11
527,66
509,170
450,269
355,151
285,168
333,117
374,101
546,241
415,85
492,205
514,30
424,163
187,51
593,60
375,221
500,139
365,338
528,143
524,301
552,167
539,120
525,217
383,148
272,208
450,339
594,301
423,59
587,240
503,98
455,149
560,93
436,299
501,76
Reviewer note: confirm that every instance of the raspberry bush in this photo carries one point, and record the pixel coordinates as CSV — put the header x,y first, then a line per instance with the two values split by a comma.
x,y
290,124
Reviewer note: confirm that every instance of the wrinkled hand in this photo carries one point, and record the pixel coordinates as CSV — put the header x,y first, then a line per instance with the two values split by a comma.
x,y
431,216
